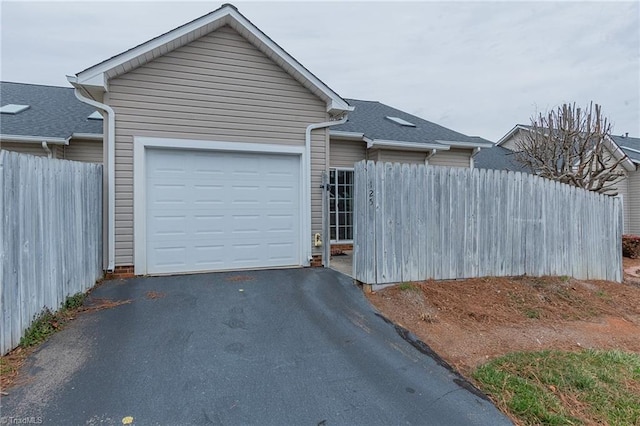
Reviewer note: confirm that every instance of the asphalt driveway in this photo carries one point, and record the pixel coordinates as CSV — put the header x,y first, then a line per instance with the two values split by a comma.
x,y
282,347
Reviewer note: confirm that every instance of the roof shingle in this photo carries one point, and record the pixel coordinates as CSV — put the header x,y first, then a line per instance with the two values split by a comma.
x,y
54,112
369,117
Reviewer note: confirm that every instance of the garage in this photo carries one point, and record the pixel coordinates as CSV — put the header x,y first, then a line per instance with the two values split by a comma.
x,y
220,210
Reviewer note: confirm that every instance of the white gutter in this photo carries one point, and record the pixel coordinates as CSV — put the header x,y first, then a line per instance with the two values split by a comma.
x,y
346,135
404,146
628,165
34,139
471,161
111,181
429,155
46,149
307,178
632,150
91,136
457,144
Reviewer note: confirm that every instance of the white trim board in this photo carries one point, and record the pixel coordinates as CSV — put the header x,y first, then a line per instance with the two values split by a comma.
x,y
140,146
99,74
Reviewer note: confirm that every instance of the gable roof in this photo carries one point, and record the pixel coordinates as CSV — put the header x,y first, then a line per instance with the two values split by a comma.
x,y
95,79
614,144
374,122
54,114
630,146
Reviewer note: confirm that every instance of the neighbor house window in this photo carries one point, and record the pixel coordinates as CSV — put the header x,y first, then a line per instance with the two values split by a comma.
x,y
341,204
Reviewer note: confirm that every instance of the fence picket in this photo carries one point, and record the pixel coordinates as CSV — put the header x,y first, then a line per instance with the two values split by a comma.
x,y
50,237
422,222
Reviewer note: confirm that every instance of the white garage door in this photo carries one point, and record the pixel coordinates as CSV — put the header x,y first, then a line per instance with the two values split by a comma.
x,y
215,210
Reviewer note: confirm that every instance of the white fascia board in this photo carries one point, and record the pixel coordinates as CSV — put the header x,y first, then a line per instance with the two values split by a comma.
x,y
96,75
346,135
337,107
510,134
405,146
618,153
456,144
97,72
34,139
90,136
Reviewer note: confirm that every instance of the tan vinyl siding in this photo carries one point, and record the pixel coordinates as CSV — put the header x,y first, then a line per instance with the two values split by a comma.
x,y
89,151
373,154
633,203
344,153
409,157
25,148
217,88
452,158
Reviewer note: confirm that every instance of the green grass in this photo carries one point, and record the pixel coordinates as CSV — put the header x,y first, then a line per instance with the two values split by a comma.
x,y
47,322
407,286
565,388
532,314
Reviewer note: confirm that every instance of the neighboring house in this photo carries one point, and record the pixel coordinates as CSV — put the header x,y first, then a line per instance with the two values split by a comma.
x,y
49,120
215,143
622,147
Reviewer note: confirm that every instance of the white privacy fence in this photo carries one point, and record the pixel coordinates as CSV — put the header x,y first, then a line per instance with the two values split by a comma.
x,y
415,223
50,237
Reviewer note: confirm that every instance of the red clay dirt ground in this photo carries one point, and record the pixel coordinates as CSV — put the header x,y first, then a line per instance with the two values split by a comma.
x,y
468,322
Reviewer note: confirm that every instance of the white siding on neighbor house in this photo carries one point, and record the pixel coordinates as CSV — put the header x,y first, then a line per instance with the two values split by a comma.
x,y
623,192
345,153
219,88
512,142
632,202
89,151
454,157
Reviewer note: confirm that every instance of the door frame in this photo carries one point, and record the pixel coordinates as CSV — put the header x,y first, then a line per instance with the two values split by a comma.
x,y
141,144
340,169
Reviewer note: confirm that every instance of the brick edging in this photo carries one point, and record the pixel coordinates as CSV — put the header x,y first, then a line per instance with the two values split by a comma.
x,y
120,272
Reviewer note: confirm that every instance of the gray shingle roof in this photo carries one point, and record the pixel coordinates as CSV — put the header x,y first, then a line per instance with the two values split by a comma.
x,y
497,158
369,118
626,142
53,112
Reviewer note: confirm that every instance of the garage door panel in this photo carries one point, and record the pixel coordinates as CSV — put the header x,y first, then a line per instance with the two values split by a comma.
x,y
217,210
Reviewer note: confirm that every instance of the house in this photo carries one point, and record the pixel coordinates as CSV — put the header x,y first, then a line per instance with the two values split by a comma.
x,y
216,141
373,131
48,120
622,147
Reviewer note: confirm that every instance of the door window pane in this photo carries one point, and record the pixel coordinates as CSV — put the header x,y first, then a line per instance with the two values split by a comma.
x,y
341,204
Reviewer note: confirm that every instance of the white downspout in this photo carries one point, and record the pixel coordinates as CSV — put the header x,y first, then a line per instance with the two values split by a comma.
x,y
46,149
111,181
473,153
307,178
429,155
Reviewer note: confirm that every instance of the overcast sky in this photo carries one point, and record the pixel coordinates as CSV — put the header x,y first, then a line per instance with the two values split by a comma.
x,y
475,67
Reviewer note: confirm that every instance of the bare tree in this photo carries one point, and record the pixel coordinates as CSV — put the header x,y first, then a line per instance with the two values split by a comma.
x,y
574,146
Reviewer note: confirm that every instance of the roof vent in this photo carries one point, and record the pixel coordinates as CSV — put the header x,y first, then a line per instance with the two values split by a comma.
x,y
13,108
95,115
400,121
